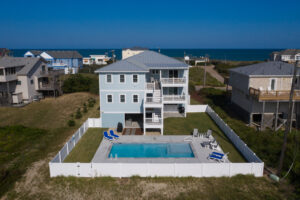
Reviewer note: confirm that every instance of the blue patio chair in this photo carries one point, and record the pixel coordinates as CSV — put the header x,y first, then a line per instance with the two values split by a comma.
x,y
218,154
215,157
112,133
106,136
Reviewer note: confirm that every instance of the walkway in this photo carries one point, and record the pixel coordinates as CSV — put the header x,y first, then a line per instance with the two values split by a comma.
x,y
210,69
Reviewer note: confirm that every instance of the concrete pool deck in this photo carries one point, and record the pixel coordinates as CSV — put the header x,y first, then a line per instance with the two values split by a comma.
x,y
200,153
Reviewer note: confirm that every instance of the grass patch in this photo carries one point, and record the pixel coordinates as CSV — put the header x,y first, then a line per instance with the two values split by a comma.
x,y
30,133
87,146
182,126
196,75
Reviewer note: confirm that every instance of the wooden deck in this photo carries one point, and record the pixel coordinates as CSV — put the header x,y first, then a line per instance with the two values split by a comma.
x,y
274,95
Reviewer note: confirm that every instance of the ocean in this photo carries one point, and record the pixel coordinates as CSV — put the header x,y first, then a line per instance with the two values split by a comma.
x,y
217,54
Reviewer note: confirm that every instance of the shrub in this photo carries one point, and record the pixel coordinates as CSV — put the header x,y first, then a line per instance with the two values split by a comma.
x,y
84,108
81,83
78,114
71,123
91,102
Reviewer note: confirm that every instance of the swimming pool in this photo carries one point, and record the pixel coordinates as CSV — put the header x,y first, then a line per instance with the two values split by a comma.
x,y
151,150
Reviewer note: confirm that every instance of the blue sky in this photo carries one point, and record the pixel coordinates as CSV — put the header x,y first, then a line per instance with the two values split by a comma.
x,y
153,24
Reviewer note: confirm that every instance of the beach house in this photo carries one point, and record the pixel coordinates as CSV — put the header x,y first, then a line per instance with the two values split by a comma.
x,y
69,61
288,55
23,80
260,93
141,90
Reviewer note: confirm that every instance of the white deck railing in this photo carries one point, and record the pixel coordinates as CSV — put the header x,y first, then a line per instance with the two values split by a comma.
x,y
173,80
153,121
153,100
174,97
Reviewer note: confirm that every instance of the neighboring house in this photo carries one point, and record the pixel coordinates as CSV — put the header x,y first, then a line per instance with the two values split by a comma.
x,y
128,52
69,61
142,90
288,55
96,60
23,80
260,92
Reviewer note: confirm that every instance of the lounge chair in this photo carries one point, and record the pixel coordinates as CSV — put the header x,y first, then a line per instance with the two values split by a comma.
x,y
111,132
195,132
106,136
214,156
218,154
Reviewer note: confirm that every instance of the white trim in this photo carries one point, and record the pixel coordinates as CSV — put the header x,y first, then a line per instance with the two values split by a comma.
x,y
120,98
138,98
111,78
112,90
120,78
133,78
125,112
112,98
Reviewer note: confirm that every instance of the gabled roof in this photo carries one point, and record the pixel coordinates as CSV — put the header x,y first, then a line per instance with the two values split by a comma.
x,y
143,62
274,68
64,54
36,52
291,52
27,64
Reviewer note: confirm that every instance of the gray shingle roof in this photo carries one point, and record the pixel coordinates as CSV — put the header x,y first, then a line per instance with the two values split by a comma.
x,y
143,62
275,68
27,64
64,54
136,48
36,52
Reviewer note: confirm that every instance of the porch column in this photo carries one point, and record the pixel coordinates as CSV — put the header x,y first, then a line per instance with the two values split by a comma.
x,y
293,105
276,115
250,119
9,100
262,116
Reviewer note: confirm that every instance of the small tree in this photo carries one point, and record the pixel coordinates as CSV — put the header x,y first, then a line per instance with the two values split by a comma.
x,y
71,122
78,114
85,108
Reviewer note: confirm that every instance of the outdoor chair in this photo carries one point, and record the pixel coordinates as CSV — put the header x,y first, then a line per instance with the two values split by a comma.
x,y
111,132
106,136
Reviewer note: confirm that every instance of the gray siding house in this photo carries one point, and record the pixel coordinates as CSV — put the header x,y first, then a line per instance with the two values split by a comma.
x,y
23,79
141,90
260,92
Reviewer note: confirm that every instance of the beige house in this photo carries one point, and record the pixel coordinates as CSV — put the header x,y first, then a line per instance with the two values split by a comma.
x,y
288,55
132,51
260,93
23,80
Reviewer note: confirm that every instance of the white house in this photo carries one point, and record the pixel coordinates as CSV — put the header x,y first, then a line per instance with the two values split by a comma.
x,y
142,90
288,55
132,51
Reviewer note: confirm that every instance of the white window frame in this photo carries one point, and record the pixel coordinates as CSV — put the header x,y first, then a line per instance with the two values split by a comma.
x,y
275,79
133,78
112,98
111,77
120,98
138,98
124,78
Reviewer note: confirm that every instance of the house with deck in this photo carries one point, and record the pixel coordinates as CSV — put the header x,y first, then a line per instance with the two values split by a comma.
x,y
141,90
288,55
23,80
69,61
260,93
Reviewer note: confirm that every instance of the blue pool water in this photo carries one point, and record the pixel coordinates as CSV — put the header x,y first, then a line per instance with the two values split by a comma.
x,y
152,150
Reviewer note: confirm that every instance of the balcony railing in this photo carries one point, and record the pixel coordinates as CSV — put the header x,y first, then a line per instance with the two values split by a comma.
x,y
153,121
173,80
153,100
279,95
174,97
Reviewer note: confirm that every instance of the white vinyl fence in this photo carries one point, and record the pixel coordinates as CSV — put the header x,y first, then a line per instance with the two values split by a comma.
x,y
64,152
155,169
254,166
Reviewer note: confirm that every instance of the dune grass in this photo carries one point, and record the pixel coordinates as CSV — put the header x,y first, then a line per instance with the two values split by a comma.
x,y
196,75
87,146
185,126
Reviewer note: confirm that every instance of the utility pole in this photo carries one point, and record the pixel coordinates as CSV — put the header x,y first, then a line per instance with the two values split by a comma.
x,y
113,55
289,120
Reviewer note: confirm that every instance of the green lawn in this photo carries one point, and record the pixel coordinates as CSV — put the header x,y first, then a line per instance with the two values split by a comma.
x,y
182,126
196,75
87,146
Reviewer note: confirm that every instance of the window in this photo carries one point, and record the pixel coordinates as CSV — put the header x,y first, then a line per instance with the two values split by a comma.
x,y
135,78
108,78
43,68
109,98
122,98
31,81
122,78
154,71
273,81
1,72
135,98
19,82
11,70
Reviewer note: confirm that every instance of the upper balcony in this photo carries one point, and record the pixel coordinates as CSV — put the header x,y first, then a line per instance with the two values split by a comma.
x,y
153,102
174,98
173,81
273,95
